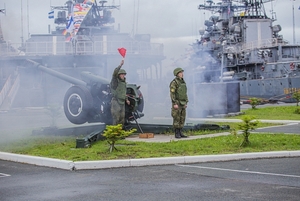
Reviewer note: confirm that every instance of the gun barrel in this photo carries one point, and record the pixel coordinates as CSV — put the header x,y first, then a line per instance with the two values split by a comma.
x,y
57,74
89,77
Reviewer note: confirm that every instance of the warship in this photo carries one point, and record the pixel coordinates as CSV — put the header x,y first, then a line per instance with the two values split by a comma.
x,y
63,66
240,43
85,38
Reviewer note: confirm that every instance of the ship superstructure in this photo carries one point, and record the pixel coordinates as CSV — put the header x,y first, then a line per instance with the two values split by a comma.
x,y
241,43
85,38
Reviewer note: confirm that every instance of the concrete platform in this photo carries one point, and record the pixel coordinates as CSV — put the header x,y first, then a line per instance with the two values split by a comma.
x,y
168,138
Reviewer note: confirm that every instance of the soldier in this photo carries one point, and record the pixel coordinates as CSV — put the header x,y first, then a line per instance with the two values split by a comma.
x,y
118,90
179,98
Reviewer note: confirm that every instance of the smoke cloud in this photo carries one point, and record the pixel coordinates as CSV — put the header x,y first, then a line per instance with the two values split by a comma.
x,y
173,23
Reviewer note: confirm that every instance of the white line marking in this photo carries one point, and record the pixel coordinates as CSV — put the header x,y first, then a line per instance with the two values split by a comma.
x,y
243,171
4,175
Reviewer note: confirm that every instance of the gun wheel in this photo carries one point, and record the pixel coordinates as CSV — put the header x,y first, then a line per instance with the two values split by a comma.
x,y
141,101
77,104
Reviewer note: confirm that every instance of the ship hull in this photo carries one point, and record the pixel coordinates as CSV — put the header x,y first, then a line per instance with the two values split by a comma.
x,y
272,88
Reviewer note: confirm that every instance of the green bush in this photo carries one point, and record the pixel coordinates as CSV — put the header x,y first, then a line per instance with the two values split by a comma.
x,y
296,96
249,123
254,102
113,133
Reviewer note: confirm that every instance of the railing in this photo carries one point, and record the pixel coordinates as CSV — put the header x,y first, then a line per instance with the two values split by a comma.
x,y
5,89
80,47
9,91
9,49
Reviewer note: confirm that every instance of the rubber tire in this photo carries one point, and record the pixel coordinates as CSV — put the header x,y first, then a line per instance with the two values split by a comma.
x,y
140,106
78,102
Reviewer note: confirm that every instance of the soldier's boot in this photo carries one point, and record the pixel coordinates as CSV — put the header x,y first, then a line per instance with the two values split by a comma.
x,y
177,133
181,134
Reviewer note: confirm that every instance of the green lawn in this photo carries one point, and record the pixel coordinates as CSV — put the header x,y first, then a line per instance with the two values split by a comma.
x,y
273,113
64,147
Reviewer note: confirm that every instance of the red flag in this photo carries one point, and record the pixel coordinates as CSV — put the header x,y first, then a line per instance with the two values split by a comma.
x,y
122,51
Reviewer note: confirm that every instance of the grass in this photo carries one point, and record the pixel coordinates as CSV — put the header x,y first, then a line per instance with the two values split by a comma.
x,y
233,126
64,147
273,113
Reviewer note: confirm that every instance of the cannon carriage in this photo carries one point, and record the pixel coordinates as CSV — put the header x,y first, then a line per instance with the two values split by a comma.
x,y
89,99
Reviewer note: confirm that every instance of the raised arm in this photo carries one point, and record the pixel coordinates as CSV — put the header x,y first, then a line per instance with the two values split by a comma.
x,y
115,73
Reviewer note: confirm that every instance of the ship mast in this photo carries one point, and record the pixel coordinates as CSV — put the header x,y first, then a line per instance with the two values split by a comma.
x,y
28,32
226,8
1,34
22,31
294,40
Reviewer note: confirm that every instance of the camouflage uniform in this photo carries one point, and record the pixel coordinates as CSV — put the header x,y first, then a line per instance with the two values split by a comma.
x,y
178,93
118,90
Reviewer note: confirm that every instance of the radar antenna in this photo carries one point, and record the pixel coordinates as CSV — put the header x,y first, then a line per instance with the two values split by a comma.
x,y
226,8
3,11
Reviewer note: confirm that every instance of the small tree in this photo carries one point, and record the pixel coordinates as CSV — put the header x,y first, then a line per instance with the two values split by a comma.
x,y
249,123
254,102
113,133
296,96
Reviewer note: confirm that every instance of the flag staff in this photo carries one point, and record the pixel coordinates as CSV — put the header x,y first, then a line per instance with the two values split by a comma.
x,y
28,32
22,31
294,40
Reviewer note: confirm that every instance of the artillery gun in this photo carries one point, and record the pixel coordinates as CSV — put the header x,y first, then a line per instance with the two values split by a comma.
x,y
88,100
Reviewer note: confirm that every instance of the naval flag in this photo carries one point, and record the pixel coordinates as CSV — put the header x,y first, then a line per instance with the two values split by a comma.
x,y
51,14
70,25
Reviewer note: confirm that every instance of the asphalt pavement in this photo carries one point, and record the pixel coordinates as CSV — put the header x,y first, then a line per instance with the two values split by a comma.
x,y
275,179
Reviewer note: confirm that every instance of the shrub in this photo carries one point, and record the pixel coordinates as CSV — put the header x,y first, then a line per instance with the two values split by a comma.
x,y
296,96
113,133
249,123
254,102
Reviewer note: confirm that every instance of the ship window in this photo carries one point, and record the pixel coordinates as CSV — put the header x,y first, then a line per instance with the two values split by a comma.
x,y
280,83
270,84
250,85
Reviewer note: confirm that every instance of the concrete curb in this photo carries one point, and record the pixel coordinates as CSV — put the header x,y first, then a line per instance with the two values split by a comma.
x,y
244,156
181,160
239,120
39,161
92,165
104,164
